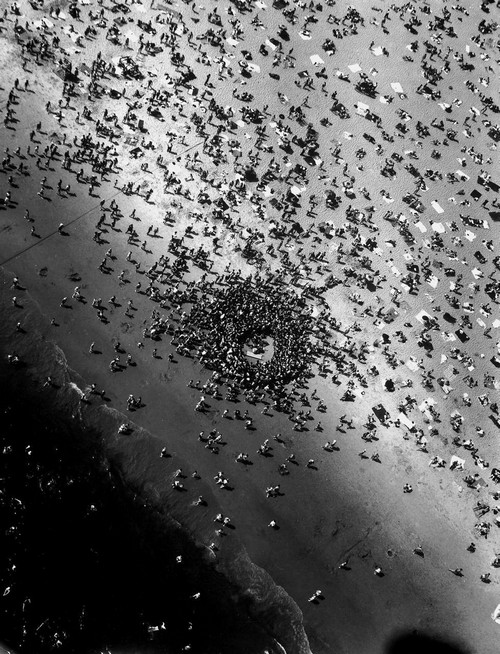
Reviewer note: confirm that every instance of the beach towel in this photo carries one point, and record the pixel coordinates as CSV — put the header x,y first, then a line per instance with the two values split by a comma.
x,y
396,86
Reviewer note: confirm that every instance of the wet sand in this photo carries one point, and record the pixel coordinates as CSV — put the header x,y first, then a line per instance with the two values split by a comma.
x,y
130,491
90,560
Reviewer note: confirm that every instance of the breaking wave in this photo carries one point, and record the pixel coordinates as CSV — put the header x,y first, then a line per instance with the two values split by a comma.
x,y
252,613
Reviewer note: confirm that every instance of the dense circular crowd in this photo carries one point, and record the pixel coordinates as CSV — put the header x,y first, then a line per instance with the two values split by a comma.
x,y
231,328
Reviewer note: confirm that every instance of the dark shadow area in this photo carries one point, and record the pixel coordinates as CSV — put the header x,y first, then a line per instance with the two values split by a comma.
x,y
87,564
415,643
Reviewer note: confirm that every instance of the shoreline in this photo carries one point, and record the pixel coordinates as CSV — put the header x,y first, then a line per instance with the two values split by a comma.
x,y
135,460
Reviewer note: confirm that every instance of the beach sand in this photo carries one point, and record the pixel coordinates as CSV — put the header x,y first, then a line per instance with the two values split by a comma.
x,y
346,509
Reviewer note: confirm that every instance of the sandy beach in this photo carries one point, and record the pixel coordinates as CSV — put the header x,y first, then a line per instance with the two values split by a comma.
x,y
348,513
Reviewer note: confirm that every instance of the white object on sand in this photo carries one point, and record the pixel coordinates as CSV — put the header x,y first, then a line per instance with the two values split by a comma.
x,y
252,355
354,68
404,420
315,311
420,316
437,207
361,108
396,86
496,615
316,60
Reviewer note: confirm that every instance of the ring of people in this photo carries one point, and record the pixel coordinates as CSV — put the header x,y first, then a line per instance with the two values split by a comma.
x,y
260,240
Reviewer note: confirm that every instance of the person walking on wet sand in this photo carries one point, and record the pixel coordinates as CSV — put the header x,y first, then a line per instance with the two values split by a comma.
x,y
458,572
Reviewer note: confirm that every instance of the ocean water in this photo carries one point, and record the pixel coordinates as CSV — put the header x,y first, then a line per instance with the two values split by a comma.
x,y
86,565
91,528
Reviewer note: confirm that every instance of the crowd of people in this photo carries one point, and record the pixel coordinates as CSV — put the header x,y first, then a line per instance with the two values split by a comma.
x,y
244,313
284,260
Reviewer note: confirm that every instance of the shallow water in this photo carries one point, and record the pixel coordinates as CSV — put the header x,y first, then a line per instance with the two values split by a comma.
x,y
158,522
86,564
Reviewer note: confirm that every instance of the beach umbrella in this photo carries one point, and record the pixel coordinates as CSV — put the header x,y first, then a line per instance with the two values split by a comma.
x,y
251,175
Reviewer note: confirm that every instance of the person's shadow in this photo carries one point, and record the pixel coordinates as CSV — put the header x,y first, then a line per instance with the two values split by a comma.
x,y
415,643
